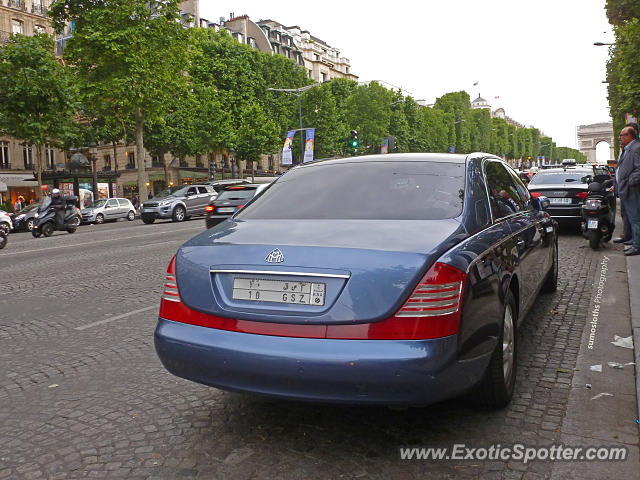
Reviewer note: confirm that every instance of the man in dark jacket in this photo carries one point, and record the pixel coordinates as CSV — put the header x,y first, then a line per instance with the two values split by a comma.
x,y
57,202
628,182
626,231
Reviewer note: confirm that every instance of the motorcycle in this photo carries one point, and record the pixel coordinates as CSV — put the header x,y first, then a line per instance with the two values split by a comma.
x,y
599,212
45,219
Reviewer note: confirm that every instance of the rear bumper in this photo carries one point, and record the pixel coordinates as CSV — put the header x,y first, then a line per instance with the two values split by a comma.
x,y
384,372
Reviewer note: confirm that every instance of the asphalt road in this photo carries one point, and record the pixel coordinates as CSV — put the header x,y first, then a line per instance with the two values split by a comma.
x,y
83,395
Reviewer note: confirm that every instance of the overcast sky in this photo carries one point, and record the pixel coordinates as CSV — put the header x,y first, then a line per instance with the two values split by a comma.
x,y
537,56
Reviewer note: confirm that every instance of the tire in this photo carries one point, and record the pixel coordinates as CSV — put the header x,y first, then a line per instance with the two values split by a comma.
x,y
497,386
47,229
3,240
36,233
131,216
179,214
594,239
551,282
148,220
73,225
4,226
30,225
99,219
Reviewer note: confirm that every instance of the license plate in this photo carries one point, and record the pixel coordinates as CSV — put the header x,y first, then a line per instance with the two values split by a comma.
x,y
560,200
146,210
279,291
226,209
592,224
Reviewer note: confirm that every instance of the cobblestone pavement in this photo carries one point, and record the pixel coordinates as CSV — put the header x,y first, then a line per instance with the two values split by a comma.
x,y
83,401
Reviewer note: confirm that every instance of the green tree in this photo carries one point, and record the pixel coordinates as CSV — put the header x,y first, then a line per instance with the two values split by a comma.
x,y
130,53
37,95
368,112
458,104
480,130
319,111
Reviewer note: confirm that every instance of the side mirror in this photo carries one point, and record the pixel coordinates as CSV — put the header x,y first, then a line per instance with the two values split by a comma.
x,y
543,203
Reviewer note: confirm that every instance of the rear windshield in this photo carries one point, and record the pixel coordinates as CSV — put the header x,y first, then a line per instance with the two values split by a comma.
x,y
548,178
368,190
237,194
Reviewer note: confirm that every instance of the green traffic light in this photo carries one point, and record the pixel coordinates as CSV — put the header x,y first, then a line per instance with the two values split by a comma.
x,y
354,144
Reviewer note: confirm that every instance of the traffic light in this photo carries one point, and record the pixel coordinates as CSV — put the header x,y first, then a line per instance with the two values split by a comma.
x,y
353,141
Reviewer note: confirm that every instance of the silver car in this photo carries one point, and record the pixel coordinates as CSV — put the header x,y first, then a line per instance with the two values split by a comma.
x,y
178,203
5,222
108,209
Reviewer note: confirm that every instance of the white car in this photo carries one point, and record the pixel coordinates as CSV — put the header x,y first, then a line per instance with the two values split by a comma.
x,y
5,222
108,209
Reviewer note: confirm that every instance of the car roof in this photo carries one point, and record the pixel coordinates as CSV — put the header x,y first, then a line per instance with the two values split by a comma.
x,y
393,157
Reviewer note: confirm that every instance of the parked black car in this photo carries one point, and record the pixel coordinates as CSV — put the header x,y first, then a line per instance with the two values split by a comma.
x,y
230,200
24,219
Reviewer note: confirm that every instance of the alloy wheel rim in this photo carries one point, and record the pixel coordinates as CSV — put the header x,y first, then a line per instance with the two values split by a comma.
x,y
507,344
180,214
30,225
99,219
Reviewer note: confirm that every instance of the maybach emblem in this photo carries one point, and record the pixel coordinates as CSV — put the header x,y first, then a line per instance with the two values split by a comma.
x,y
275,256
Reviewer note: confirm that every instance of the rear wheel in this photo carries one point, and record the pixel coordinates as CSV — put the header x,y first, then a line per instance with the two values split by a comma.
x,y
178,214
131,216
73,225
499,381
47,229
99,218
594,239
3,240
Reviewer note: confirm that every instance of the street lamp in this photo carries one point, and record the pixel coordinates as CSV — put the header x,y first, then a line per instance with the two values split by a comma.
x,y
298,93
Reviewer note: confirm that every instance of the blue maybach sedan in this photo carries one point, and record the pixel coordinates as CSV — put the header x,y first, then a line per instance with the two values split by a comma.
x,y
390,279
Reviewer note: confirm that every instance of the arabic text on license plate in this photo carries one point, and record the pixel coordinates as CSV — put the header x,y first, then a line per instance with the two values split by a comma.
x,y
226,209
560,200
279,291
592,225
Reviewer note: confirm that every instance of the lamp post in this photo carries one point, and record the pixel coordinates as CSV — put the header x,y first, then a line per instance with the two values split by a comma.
x,y
298,93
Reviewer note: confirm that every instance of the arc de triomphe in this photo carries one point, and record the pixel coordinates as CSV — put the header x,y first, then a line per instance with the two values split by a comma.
x,y
591,135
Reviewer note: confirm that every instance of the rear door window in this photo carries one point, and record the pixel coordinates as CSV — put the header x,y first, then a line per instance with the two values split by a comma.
x,y
389,190
123,202
503,193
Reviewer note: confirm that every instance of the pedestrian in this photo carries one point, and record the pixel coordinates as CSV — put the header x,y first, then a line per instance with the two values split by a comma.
x,y
628,181
150,196
135,202
626,229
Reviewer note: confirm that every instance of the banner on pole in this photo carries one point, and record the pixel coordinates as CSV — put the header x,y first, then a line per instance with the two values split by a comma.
x,y
308,145
287,158
384,148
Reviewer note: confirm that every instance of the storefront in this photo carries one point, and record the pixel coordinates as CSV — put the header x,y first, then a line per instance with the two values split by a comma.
x,y
81,185
187,177
18,185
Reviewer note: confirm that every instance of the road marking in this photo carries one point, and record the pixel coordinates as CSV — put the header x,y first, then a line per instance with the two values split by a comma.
x,y
95,242
113,319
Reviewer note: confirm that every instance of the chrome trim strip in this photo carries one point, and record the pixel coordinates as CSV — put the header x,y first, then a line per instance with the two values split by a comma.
x,y
273,272
438,295
432,313
443,286
442,303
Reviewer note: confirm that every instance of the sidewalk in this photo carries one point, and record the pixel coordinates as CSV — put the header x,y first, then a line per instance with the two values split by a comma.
x,y
603,400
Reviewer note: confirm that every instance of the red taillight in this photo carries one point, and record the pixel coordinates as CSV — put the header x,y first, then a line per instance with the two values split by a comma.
x,y
170,286
432,311
535,194
209,208
582,195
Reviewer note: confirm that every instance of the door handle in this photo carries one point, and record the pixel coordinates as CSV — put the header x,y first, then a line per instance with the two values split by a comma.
x,y
520,243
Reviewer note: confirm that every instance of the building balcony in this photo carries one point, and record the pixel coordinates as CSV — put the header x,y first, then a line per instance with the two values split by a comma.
x,y
39,9
17,4
5,166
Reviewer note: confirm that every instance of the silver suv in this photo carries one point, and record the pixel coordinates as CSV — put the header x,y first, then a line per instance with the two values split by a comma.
x,y
178,203
108,209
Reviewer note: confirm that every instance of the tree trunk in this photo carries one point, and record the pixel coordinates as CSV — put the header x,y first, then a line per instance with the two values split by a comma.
x,y
167,176
142,186
115,156
39,168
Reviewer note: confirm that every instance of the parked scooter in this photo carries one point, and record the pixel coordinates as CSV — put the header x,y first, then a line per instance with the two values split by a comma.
x,y
45,222
599,211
